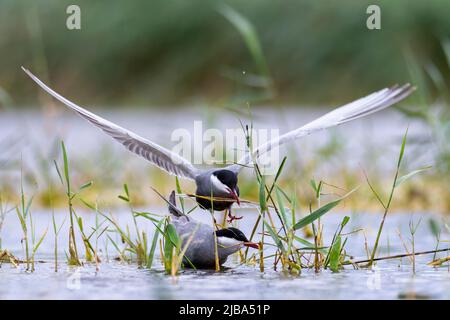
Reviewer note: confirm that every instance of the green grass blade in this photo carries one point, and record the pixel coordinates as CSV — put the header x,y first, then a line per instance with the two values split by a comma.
x,y
335,255
312,182
154,244
434,227
309,244
36,247
275,237
319,212
178,186
249,35
402,149
345,221
262,194
286,221
22,220
86,185
58,171
125,188
402,179
280,169
173,235
123,198
27,209
66,166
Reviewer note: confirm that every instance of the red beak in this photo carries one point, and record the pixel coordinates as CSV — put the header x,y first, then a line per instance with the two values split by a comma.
x,y
251,244
235,196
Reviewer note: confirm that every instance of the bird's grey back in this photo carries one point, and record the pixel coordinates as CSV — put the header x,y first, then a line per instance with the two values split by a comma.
x,y
200,251
203,181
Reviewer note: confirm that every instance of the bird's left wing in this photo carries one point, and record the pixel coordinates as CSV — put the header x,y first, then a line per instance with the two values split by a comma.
x,y
156,154
351,111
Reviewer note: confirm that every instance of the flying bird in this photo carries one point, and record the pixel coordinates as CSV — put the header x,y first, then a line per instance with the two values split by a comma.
x,y
217,188
199,239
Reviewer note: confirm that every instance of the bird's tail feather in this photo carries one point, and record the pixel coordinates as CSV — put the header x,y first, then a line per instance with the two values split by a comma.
x,y
173,206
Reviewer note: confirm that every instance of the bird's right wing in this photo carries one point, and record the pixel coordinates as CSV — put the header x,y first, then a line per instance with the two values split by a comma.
x,y
351,111
156,154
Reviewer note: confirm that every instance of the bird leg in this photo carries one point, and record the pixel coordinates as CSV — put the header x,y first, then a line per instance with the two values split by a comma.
x,y
232,217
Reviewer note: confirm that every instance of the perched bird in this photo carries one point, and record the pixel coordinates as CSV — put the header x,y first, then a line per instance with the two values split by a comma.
x,y
217,189
199,238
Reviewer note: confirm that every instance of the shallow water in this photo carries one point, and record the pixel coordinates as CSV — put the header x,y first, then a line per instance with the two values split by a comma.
x,y
115,280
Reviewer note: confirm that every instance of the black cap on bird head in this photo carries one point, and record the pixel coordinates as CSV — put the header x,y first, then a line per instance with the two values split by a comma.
x,y
227,177
236,234
228,180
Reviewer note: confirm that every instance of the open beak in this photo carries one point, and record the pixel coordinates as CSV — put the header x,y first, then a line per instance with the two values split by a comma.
x,y
235,196
251,244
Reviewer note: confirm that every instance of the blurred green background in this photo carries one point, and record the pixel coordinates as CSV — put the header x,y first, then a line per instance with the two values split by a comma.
x,y
150,53
222,56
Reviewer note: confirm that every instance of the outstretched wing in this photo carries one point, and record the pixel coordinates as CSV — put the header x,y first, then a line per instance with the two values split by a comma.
x,y
159,156
351,111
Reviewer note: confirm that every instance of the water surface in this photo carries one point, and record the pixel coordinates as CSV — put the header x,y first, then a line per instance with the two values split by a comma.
x,y
390,279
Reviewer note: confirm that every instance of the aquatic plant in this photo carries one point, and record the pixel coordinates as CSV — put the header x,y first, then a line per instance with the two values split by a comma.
x,y
412,230
3,212
56,231
285,238
73,257
26,222
138,247
398,180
